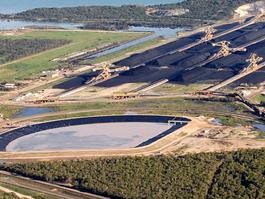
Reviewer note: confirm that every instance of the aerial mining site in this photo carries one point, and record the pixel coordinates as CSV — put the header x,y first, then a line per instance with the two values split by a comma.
x,y
70,91
166,85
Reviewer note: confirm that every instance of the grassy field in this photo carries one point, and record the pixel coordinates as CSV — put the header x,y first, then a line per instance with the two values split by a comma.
x,y
8,110
260,98
169,106
123,53
164,106
30,67
170,88
27,192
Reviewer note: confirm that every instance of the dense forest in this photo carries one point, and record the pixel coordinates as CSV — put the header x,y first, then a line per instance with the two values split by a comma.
x,y
196,12
211,175
207,9
12,49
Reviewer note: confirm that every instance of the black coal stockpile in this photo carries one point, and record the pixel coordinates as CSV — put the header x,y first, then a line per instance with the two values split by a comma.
x,y
144,57
77,81
165,62
251,79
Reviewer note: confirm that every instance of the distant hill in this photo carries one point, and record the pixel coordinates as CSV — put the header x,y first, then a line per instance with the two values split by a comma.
x,y
187,13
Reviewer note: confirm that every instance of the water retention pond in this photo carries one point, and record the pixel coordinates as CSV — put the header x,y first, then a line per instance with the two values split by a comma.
x,y
127,131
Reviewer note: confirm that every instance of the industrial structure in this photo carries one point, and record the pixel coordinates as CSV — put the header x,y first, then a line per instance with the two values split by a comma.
x,y
209,33
225,50
254,60
107,71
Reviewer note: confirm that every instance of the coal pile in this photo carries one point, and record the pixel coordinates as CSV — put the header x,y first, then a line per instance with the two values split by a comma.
x,y
165,62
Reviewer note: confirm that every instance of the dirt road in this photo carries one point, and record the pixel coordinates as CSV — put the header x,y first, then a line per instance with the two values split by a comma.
x,y
45,188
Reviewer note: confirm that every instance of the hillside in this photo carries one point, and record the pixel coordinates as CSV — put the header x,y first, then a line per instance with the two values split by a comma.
x,y
187,13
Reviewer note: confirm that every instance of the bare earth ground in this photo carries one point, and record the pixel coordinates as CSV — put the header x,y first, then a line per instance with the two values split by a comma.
x,y
250,9
5,190
217,139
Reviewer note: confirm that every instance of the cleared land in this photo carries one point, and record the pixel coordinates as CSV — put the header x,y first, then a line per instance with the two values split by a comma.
x,y
80,40
199,135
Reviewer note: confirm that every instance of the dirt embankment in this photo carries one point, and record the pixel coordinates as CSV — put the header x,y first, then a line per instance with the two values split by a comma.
x,y
250,9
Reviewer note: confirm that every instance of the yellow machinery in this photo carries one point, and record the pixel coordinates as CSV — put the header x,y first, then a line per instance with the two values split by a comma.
x,y
225,49
106,73
202,92
44,101
125,95
254,60
259,17
208,33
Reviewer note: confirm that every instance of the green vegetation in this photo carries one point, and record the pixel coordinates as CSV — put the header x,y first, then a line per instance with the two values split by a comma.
x,y
175,104
4,195
9,111
123,53
35,195
234,121
164,106
63,116
31,67
196,12
208,175
169,106
12,49
207,9
260,98
173,88
261,135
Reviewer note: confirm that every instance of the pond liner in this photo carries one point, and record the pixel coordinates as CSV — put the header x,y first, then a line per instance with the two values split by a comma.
x,y
12,135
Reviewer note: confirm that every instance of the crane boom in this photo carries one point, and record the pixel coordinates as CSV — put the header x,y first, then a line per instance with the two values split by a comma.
x,y
253,60
225,49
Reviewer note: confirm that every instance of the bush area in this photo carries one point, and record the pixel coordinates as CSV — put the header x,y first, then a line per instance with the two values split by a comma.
x,y
208,9
31,67
212,175
9,196
12,49
111,17
9,111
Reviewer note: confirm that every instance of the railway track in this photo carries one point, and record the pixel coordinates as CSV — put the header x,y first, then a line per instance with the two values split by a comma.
x,y
44,187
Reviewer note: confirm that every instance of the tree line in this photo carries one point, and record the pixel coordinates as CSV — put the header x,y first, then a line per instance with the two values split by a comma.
x,y
12,49
199,12
207,175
